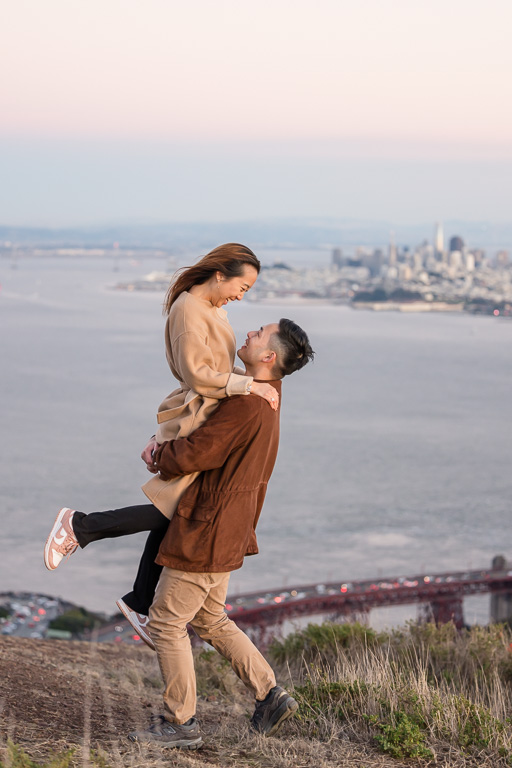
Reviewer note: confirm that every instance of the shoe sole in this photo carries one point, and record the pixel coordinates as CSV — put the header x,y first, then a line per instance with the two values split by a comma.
x,y
286,710
145,639
167,745
56,526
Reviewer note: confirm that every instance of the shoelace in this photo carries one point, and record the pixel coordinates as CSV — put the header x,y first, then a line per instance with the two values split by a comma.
x,y
156,722
68,545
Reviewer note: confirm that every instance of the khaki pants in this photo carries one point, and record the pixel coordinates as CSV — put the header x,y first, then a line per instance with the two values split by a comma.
x,y
198,599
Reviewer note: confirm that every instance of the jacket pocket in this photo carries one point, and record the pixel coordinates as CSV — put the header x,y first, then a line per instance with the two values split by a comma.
x,y
200,512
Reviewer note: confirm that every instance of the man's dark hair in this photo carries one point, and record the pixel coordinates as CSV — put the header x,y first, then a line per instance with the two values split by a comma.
x,y
292,347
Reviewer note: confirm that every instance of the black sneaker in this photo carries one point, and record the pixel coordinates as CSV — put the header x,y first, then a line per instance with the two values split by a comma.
x,y
166,734
271,713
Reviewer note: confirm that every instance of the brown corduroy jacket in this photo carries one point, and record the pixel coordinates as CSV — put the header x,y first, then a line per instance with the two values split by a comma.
x,y
214,525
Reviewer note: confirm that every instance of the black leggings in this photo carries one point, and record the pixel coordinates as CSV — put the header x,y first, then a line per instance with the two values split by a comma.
x,y
123,522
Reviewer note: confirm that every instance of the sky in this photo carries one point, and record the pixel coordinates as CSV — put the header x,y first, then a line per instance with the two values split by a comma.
x,y
122,110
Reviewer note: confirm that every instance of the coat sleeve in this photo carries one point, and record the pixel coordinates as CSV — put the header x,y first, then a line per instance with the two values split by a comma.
x,y
194,360
230,426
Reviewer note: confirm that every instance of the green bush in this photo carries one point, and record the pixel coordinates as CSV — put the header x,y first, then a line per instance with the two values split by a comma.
x,y
76,621
400,736
322,639
340,699
476,726
399,732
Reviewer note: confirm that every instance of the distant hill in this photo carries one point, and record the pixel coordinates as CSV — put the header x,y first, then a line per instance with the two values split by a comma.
x,y
291,232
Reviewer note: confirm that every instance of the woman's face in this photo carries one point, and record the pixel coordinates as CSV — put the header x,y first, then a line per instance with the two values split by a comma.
x,y
233,288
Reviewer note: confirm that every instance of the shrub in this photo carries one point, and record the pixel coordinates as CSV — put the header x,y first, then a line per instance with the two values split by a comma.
x,y
322,639
76,621
400,736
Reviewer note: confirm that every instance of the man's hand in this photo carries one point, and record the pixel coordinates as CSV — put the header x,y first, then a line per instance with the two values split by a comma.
x,y
147,455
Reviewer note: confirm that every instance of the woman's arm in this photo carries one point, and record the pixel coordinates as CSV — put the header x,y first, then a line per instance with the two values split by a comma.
x,y
194,359
147,454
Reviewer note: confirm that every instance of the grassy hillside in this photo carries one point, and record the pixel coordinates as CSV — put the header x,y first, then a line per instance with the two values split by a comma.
x,y
419,696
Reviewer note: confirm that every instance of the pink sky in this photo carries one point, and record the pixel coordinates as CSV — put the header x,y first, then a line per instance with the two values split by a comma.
x,y
316,107
269,70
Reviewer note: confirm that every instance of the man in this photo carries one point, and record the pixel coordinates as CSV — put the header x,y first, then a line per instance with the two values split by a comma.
x,y
209,535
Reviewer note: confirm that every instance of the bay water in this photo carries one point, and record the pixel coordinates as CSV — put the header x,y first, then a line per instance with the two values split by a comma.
x,y
395,443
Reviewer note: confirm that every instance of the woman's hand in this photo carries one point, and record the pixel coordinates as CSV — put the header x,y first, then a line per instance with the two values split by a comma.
x,y
147,455
267,392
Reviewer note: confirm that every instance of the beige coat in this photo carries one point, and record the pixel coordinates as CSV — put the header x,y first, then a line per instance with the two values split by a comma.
x,y
200,348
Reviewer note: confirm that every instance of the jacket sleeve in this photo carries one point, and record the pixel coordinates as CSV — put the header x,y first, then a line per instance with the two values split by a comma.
x,y
194,359
230,426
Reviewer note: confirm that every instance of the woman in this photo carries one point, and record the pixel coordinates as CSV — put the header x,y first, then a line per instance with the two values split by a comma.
x,y
200,348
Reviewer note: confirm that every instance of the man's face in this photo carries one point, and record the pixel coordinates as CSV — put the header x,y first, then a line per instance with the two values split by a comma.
x,y
256,346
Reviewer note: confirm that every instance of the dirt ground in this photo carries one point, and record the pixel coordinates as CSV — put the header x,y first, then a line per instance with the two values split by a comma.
x,y
56,695
63,689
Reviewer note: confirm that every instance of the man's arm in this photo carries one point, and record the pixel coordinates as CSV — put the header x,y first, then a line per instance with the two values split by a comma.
x,y
230,426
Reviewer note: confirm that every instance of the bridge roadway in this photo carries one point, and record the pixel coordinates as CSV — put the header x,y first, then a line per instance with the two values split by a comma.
x,y
262,614
444,592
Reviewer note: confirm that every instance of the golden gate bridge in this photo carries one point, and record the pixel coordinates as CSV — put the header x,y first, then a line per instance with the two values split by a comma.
x,y
262,614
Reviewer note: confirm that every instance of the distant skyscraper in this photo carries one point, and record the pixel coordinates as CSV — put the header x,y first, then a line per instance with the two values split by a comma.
x,y
502,259
439,239
469,262
337,258
456,244
392,250
455,260
374,262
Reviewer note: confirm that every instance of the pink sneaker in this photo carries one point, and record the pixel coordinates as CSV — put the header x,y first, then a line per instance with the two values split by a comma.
x,y
138,621
61,543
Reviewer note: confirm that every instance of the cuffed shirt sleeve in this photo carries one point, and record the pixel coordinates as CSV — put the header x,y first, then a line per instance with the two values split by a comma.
x,y
237,384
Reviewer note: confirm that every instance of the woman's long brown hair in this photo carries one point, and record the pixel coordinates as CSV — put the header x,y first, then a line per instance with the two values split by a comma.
x,y
229,259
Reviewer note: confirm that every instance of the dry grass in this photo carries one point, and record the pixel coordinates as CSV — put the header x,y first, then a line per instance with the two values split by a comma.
x,y
421,696
430,694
